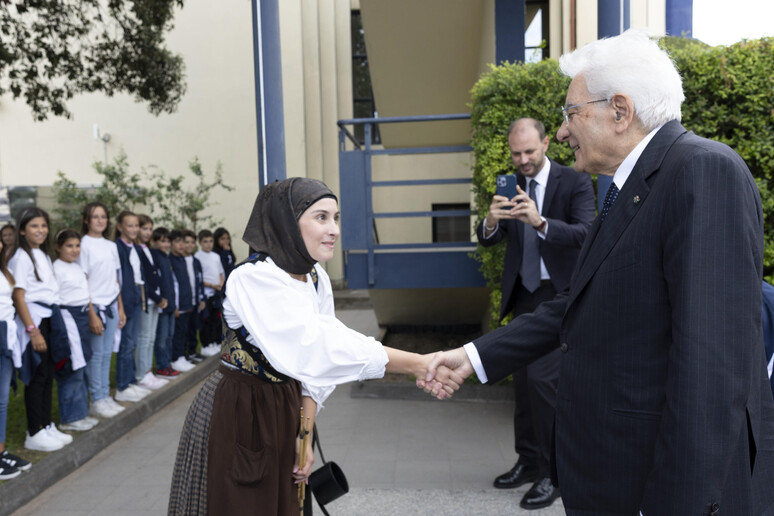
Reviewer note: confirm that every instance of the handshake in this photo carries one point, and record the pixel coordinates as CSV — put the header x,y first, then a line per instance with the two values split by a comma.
x,y
444,372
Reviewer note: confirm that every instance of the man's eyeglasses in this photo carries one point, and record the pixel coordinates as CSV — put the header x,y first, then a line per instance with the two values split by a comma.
x,y
567,116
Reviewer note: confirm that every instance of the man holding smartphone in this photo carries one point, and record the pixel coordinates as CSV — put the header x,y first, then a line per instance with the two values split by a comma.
x,y
544,225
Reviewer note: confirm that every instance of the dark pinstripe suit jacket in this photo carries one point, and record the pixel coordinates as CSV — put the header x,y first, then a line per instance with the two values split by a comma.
x,y
663,401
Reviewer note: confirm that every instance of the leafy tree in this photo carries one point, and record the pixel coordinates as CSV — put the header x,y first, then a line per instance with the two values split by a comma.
x,y
119,190
177,208
51,50
166,198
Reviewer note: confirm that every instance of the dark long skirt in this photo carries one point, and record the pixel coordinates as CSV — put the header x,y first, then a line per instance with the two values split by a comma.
x,y
237,448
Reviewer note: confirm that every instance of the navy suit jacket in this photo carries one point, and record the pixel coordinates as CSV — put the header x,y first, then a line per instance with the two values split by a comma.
x,y
128,295
568,206
151,276
166,281
664,403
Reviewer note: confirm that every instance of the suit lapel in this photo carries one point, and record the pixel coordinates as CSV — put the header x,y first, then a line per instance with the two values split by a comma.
x,y
603,237
554,178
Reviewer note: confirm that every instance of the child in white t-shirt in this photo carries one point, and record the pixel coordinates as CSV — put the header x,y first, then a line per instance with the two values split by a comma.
x,y
210,331
39,328
74,304
10,465
99,260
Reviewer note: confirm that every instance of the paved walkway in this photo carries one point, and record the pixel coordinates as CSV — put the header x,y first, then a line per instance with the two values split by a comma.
x,y
401,457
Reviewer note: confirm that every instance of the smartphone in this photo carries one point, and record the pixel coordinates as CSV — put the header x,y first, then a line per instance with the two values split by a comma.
x,y
506,186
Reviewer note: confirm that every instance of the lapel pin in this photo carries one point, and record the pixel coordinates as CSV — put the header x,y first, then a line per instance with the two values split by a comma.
x,y
636,199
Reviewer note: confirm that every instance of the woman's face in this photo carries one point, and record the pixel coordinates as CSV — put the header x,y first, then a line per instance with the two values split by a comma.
x,y
225,241
98,221
319,226
35,232
8,236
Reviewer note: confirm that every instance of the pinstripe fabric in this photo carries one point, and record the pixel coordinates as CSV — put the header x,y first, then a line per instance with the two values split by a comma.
x,y
661,401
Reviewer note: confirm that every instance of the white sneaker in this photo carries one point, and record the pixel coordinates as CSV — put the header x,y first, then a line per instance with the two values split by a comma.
x,y
158,382
101,408
210,350
129,395
92,421
54,432
42,441
142,392
149,382
182,365
113,405
77,426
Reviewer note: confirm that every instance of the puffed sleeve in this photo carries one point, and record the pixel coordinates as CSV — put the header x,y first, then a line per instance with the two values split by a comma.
x,y
284,321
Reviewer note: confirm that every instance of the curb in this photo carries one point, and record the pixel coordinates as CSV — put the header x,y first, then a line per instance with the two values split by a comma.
x,y
469,393
61,463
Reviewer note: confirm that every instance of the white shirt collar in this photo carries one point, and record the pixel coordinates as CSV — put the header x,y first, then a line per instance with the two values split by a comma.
x,y
627,165
542,176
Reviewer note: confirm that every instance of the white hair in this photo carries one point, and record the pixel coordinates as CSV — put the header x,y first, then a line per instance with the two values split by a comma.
x,y
633,64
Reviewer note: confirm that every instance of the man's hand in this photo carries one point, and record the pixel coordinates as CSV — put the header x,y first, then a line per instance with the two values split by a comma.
x,y
445,369
501,208
525,209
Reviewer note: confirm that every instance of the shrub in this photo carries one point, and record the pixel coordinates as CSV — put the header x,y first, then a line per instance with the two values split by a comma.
x,y
729,97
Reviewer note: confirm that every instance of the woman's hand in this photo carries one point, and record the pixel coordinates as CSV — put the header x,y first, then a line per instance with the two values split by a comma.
x,y
121,317
38,342
445,381
95,323
164,303
302,474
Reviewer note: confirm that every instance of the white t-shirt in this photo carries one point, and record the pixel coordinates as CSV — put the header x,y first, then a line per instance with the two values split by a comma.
x,y
46,290
73,287
212,269
99,260
7,310
295,327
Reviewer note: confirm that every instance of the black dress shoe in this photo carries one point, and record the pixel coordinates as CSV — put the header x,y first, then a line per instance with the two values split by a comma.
x,y
541,494
519,475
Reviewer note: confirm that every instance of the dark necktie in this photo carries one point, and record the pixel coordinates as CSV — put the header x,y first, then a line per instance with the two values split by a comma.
x,y
610,197
530,261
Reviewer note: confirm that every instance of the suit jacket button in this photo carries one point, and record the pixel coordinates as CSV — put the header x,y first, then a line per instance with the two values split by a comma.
x,y
564,347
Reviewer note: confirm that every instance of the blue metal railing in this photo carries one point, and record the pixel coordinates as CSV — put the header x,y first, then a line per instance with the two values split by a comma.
x,y
358,216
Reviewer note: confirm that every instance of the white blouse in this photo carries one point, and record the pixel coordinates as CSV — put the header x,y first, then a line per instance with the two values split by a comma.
x,y
7,310
73,287
295,327
99,260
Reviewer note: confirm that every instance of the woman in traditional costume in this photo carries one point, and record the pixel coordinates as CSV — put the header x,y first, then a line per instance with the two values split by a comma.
x,y
284,349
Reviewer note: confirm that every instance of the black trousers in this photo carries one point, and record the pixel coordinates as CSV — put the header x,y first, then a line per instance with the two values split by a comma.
x,y
535,387
37,395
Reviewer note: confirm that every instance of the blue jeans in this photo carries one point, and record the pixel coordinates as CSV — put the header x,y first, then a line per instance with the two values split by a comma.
x,y
73,397
98,368
143,356
125,358
6,369
180,338
163,347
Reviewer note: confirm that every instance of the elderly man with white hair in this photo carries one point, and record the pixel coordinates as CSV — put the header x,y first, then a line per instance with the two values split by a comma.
x,y
663,405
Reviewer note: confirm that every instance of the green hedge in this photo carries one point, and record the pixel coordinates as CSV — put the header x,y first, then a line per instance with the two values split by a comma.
x,y
729,97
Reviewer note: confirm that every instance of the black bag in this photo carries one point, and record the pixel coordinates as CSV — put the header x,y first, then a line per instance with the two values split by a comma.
x,y
326,483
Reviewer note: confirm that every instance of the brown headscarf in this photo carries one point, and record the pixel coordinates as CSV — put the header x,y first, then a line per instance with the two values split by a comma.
x,y
273,225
